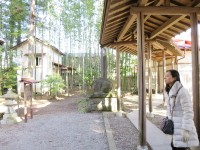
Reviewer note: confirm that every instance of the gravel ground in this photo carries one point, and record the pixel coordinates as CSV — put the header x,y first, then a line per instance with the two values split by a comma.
x,y
57,125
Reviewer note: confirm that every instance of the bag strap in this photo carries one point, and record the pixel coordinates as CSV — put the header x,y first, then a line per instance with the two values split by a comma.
x,y
174,102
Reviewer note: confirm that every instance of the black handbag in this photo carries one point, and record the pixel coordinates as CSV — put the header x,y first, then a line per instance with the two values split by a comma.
x,y
167,125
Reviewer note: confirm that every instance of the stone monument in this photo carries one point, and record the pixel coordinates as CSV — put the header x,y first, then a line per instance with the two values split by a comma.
x,y
103,96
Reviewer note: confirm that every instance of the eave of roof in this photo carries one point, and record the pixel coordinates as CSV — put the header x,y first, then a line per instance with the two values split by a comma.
x,y
115,18
39,40
63,66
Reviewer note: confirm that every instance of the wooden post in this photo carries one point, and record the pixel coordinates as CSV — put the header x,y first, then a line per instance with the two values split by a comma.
x,y
141,85
173,63
150,78
25,102
67,82
31,97
159,86
103,63
176,64
164,70
195,70
118,82
156,77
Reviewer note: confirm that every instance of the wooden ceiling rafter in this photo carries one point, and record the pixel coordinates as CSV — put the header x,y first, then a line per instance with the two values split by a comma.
x,y
119,14
129,21
104,18
118,19
114,25
175,3
114,28
170,22
120,7
166,25
116,3
126,26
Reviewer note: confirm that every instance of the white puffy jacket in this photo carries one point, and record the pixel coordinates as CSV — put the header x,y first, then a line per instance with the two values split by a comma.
x,y
182,115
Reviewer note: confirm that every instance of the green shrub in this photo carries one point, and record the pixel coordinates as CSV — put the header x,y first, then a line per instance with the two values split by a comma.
x,y
54,83
82,106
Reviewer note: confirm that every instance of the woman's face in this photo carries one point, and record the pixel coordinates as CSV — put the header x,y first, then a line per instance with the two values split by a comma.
x,y
169,79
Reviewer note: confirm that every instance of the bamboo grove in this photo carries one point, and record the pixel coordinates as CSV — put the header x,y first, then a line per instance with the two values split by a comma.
x,y
73,26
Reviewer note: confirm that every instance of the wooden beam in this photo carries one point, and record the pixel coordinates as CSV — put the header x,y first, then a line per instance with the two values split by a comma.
x,y
158,45
126,42
142,2
131,47
167,2
157,51
121,13
166,25
129,21
169,52
131,42
195,70
126,26
164,10
123,6
167,57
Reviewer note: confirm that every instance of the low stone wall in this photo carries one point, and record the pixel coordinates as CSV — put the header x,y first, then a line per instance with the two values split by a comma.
x,y
102,104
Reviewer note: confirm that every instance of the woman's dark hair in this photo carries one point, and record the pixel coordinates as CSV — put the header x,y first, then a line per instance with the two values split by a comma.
x,y
174,74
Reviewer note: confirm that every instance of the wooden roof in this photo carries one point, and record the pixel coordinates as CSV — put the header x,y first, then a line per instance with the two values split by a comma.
x,y
160,25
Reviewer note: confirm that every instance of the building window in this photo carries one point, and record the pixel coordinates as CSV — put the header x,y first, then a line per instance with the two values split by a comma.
x,y
38,61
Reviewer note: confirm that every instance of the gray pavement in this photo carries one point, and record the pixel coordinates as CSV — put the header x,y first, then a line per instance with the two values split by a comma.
x,y
155,137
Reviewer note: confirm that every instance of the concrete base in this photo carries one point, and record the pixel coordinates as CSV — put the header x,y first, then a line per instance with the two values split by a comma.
x,y
119,114
150,115
142,147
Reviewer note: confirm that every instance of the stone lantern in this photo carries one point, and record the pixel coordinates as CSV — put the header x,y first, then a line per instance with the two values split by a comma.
x,y
10,116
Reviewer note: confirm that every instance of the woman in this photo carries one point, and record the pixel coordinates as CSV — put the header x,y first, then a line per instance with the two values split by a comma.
x,y
178,100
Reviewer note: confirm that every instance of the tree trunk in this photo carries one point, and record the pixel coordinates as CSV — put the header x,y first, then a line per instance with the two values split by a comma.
x,y
31,39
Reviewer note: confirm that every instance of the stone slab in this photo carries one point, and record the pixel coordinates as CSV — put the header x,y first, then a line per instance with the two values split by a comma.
x,y
155,137
111,142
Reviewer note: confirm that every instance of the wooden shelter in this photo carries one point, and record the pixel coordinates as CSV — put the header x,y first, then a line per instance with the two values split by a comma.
x,y
145,28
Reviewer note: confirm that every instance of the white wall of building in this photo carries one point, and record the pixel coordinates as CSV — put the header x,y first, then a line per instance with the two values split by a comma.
x,y
47,60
